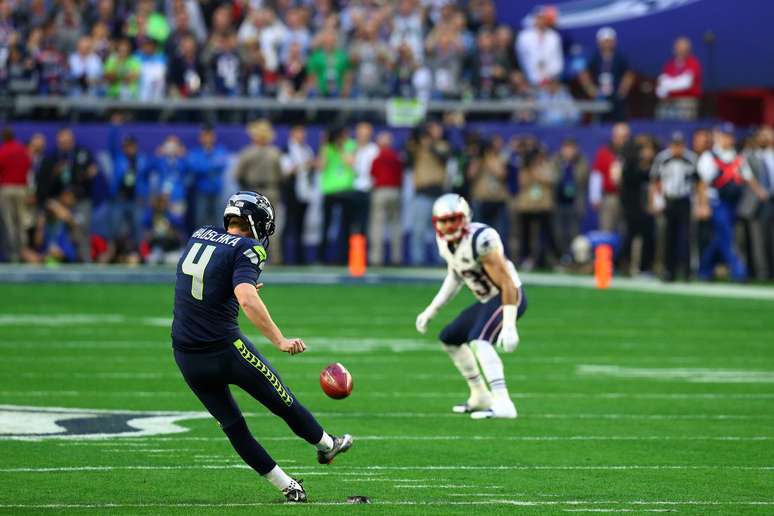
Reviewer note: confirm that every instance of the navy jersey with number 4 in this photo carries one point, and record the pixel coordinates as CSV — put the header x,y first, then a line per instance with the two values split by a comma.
x,y
211,266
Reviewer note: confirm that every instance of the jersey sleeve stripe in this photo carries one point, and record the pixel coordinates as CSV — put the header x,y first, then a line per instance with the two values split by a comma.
x,y
251,256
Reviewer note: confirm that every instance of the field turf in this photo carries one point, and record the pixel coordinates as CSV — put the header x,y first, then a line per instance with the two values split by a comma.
x,y
627,402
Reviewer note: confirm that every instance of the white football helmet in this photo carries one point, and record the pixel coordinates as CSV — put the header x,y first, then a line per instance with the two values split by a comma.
x,y
451,216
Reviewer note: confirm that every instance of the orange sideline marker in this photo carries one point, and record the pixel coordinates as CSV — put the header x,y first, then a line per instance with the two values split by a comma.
x,y
603,265
357,255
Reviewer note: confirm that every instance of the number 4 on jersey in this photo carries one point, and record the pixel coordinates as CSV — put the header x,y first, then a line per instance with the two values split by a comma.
x,y
195,269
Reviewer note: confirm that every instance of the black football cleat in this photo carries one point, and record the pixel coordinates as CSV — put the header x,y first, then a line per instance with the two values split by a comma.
x,y
340,445
295,493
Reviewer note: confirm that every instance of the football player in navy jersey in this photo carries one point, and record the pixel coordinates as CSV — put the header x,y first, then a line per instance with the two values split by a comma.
x,y
217,274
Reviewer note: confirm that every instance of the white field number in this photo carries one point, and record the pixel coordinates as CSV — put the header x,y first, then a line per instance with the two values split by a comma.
x,y
195,269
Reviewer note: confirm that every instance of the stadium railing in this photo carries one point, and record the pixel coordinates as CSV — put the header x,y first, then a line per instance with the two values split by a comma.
x,y
25,104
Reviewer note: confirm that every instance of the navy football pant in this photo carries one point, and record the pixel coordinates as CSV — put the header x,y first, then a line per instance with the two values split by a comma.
x,y
480,321
209,376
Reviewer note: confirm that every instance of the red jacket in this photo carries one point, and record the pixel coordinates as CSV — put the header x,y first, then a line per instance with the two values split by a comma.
x,y
15,164
672,68
387,169
602,163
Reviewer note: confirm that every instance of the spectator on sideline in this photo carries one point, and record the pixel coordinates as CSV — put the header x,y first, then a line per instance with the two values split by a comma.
x,y
765,158
258,169
674,178
429,153
122,72
606,178
724,173
634,188
540,51
168,175
365,154
608,75
129,190
208,163
487,175
65,183
750,209
15,167
336,163
385,220
536,204
297,191
680,84
164,231
571,176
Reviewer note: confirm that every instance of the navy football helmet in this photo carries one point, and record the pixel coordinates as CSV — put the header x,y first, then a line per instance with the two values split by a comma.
x,y
255,209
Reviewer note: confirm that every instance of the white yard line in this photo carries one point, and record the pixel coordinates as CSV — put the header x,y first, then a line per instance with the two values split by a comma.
x,y
691,375
429,395
526,438
513,502
375,470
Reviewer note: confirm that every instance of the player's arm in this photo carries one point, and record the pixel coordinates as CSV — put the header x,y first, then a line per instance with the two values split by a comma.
x,y
258,314
496,268
449,288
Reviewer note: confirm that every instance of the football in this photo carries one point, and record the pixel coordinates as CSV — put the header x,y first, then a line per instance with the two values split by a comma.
x,y
336,381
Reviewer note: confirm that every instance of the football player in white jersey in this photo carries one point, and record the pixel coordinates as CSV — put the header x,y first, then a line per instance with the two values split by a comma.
x,y
474,256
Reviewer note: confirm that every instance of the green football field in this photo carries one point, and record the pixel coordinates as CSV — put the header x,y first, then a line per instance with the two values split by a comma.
x,y
628,402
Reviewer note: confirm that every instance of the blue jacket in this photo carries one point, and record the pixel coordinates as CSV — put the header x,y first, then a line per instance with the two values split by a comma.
x,y
208,168
121,165
168,176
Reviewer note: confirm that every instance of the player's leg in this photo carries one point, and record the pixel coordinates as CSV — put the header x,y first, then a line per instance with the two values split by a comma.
x,y
454,338
483,334
252,372
205,374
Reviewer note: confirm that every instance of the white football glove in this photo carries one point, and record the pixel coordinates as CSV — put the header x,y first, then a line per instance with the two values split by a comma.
x,y
424,318
508,339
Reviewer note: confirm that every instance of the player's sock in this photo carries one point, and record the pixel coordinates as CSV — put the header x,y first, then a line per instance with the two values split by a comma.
x,y
465,361
326,443
492,367
248,448
278,478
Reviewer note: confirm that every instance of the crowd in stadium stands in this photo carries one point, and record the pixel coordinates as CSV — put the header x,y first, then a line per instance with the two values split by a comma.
x,y
61,203
428,49
703,195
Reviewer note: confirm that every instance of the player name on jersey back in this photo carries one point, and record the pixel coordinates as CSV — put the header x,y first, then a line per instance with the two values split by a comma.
x,y
215,236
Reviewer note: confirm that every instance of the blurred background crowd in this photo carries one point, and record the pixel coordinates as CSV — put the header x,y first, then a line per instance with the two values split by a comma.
x,y
671,207
425,49
674,202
